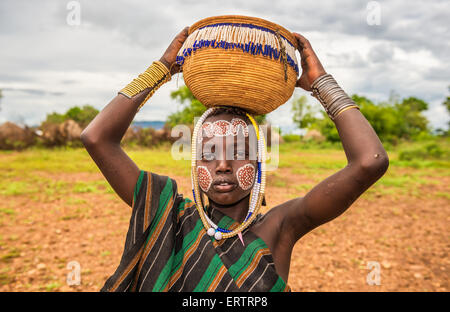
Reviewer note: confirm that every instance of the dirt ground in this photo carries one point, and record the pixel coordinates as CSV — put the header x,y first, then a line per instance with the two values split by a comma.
x,y
402,239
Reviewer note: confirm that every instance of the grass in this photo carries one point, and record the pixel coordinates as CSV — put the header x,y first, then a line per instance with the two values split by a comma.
x,y
10,254
52,286
21,172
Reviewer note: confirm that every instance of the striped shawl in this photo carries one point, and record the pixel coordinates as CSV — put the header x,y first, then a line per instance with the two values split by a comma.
x,y
167,248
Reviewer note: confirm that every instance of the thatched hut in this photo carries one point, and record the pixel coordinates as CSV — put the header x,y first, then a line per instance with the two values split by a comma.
x,y
61,134
15,137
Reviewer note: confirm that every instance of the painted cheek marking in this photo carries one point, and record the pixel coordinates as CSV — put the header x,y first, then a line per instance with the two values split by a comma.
x,y
245,176
204,178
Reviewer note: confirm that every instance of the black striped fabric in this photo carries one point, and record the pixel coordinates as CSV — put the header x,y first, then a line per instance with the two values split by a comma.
x,y
167,248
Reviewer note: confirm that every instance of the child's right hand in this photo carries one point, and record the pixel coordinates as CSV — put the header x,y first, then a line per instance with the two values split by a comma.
x,y
311,66
170,56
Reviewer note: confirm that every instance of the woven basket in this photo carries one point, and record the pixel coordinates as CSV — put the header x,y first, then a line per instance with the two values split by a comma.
x,y
238,61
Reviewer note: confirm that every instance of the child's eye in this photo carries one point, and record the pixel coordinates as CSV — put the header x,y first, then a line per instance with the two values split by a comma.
x,y
208,156
241,154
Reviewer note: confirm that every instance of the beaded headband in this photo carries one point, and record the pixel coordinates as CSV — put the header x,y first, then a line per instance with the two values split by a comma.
x,y
256,195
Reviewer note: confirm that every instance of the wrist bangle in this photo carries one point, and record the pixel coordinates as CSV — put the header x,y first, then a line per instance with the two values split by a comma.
x,y
154,77
331,96
351,106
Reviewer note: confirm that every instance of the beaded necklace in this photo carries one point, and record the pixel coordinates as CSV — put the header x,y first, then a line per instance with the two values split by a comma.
x,y
256,195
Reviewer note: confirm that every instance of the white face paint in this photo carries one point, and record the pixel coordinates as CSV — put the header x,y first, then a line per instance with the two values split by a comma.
x,y
223,128
246,176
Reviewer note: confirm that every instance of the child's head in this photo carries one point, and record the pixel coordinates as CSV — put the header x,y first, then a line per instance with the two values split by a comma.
x,y
227,165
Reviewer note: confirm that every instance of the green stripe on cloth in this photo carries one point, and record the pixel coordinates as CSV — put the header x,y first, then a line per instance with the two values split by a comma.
x,y
166,194
225,222
246,259
164,277
211,272
188,241
183,204
279,285
137,187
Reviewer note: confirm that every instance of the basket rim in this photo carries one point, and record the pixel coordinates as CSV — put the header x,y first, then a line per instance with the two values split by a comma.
x,y
244,19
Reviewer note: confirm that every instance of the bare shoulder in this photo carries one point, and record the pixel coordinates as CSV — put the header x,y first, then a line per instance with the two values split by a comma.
x,y
276,227
273,229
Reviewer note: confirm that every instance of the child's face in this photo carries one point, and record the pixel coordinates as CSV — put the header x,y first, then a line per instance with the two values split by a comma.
x,y
226,162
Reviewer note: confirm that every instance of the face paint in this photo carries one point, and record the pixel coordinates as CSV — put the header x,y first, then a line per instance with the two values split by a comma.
x,y
223,128
204,178
237,123
245,176
207,129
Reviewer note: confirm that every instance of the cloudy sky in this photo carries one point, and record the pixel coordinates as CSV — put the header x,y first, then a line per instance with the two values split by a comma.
x,y
48,64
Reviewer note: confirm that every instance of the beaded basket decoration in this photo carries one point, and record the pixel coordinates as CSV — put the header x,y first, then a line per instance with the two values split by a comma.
x,y
241,61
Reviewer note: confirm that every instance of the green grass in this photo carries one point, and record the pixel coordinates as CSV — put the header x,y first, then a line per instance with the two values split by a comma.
x,y
21,172
7,211
52,286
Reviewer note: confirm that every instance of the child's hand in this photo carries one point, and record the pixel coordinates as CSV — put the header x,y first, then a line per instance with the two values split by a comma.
x,y
170,56
311,66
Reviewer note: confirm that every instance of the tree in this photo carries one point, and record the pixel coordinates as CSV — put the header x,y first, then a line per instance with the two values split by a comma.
x,y
303,113
446,103
1,95
83,116
393,120
383,117
191,108
412,121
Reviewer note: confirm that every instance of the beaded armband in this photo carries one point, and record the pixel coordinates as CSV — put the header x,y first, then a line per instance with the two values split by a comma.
x,y
331,96
154,77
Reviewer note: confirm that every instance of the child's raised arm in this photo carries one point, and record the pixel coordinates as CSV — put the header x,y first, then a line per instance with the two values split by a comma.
x,y
366,157
103,135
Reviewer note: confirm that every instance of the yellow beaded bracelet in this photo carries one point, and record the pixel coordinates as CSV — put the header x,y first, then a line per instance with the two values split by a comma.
x,y
154,77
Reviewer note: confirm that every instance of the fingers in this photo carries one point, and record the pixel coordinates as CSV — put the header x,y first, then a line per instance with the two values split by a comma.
x,y
182,36
304,46
185,31
301,40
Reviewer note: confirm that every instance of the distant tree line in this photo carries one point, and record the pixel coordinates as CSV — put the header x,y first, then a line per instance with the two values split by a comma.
x,y
393,120
81,115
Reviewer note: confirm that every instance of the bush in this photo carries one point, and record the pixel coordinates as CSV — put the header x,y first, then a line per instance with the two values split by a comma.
x,y
82,116
291,138
428,151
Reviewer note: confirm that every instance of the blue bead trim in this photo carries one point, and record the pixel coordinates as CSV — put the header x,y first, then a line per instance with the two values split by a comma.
x,y
251,47
259,172
219,229
249,215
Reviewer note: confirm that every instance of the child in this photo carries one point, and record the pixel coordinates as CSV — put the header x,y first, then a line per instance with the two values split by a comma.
x,y
171,245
